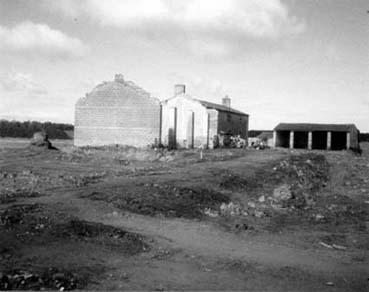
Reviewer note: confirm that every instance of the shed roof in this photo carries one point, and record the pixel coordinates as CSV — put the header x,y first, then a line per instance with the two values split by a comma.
x,y
220,107
315,127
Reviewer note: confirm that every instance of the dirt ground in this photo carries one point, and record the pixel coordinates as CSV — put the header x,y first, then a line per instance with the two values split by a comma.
x,y
120,218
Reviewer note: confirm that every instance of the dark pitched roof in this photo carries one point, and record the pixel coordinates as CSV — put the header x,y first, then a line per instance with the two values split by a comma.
x,y
316,127
220,107
265,135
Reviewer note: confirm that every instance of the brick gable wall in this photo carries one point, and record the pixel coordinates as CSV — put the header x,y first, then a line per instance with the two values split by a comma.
x,y
117,114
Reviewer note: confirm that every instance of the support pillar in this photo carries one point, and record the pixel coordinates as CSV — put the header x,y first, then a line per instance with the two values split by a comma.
x,y
310,140
275,139
348,140
292,134
329,140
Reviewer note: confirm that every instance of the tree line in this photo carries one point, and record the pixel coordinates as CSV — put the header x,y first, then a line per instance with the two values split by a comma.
x,y
16,129
364,137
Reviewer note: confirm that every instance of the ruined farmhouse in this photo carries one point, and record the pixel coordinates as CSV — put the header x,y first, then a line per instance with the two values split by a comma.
x,y
120,112
190,122
316,136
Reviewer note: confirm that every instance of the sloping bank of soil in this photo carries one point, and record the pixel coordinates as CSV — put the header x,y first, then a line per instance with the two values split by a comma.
x,y
166,200
301,176
295,192
37,247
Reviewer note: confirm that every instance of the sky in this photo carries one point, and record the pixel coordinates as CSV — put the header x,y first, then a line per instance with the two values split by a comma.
x,y
278,60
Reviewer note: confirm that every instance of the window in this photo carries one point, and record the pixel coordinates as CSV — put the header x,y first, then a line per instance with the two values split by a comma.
x,y
229,117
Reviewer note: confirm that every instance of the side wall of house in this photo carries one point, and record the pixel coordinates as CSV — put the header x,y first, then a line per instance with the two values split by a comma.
x,y
233,124
186,120
137,124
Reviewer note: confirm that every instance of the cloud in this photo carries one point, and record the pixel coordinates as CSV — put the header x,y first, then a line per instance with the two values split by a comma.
x,y
212,27
24,98
21,83
40,39
257,18
202,87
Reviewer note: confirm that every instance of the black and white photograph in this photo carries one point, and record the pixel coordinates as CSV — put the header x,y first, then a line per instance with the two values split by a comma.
x,y
184,145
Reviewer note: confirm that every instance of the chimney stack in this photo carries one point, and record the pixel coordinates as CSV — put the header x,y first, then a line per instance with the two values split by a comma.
x,y
226,101
179,89
119,78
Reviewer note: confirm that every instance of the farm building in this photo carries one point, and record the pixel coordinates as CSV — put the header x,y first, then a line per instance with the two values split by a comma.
x,y
117,112
188,122
316,136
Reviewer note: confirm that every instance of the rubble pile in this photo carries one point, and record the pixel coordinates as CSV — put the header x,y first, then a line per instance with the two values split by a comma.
x,y
232,209
237,142
165,200
40,139
291,185
299,179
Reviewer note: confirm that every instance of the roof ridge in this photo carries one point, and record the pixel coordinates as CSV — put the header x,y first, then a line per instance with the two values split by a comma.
x,y
220,107
315,127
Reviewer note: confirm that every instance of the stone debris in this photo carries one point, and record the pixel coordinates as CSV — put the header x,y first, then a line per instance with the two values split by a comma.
x,y
259,214
40,139
49,279
232,209
262,199
319,217
282,192
325,245
211,213
237,142
340,247
251,205
332,246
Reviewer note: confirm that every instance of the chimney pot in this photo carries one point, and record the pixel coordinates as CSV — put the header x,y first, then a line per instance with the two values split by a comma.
x,y
226,101
179,89
119,78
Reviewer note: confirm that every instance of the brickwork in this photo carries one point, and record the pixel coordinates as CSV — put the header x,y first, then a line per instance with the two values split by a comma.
x,y
117,112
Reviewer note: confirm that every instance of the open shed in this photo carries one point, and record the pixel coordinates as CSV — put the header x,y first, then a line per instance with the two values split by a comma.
x,y
316,136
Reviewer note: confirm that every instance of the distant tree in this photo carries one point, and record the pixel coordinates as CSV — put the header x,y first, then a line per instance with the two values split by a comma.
x,y
364,137
26,129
